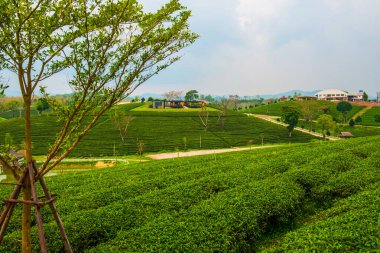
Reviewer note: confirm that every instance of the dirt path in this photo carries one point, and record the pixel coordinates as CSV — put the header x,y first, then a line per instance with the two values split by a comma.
x,y
362,111
273,120
203,152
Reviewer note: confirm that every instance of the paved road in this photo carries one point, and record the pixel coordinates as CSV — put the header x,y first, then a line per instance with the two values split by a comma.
x,y
203,152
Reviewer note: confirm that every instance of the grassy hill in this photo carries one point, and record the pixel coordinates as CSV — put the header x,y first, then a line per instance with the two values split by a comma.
x,y
276,109
159,131
369,117
304,198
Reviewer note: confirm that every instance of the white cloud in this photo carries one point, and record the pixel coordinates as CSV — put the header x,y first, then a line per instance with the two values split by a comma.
x,y
254,13
264,46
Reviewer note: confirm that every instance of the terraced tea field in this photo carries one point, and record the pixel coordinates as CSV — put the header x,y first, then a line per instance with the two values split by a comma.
x,y
308,197
276,109
369,117
159,131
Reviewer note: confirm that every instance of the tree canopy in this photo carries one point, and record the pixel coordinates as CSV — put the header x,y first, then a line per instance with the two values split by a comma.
x,y
42,105
344,107
290,115
191,95
326,123
365,96
108,47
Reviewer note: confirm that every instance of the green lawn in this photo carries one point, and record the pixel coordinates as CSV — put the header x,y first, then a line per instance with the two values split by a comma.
x,y
159,131
301,198
369,117
276,109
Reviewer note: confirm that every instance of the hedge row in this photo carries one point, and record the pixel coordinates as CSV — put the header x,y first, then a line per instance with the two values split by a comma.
x,y
226,202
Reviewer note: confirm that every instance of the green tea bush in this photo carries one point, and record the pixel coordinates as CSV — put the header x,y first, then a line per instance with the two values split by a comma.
x,y
302,196
351,225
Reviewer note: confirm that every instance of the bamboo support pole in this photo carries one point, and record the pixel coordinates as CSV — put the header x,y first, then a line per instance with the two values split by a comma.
x,y
28,202
41,234
13,200
58,220
8,210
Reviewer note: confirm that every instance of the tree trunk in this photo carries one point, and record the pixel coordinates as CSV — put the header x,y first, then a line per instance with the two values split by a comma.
x,y
27,192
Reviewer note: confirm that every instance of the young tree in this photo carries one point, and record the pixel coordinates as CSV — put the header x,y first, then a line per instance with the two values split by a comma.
x,y
309,111
290,116
351,123
174,94
204,117
111,47
234,100
121,122
222,113
191,95
344,107
42,105
358,119
365,96
326,123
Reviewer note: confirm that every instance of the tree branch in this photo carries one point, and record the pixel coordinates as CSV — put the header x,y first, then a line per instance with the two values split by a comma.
x,y
6,165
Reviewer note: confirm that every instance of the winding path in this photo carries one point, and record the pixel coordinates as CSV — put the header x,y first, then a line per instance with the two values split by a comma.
x,y
273,119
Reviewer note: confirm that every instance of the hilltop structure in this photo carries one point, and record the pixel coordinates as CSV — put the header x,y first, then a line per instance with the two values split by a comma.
x,y
339,95
162,104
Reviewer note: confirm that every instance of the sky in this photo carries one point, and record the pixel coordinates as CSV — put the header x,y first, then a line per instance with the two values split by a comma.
x,y
251,47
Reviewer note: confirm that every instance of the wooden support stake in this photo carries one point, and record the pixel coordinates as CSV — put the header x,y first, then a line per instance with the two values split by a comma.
x,y
37,212
58,220
8,210
28,202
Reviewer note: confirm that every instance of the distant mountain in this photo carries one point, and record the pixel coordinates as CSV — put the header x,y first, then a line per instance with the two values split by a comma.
x,y
290,93
160,96
147,95
278,95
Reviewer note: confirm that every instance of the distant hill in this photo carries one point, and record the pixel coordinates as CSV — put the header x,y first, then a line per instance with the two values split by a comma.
x,y
160,96
291,93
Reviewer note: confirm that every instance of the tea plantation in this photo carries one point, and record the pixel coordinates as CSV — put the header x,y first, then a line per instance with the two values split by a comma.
x,y
319,197
276,109
159,131
368,118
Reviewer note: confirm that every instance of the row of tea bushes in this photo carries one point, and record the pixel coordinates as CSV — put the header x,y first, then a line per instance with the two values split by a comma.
x,y
225,202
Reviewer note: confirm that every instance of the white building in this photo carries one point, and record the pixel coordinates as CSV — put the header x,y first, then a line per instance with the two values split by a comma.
x,y
356,97
332,94
339,95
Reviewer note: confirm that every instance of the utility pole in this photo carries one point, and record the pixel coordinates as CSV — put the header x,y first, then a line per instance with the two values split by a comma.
x,y
378,97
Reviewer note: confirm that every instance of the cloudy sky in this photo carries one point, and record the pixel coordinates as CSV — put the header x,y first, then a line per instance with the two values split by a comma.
x,y
251,47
